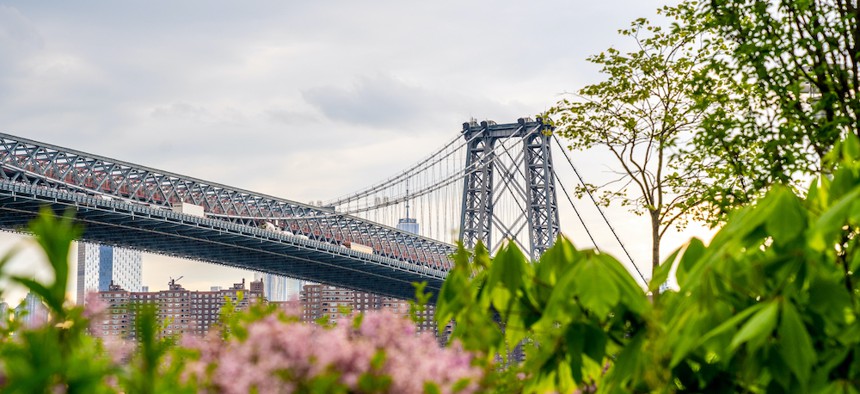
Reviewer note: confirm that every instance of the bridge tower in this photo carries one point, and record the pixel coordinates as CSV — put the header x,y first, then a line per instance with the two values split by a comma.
x,y
484,176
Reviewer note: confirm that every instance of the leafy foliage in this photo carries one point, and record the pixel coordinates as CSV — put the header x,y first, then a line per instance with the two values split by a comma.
x,y
771,305
790,75
56,354
644,113
575,307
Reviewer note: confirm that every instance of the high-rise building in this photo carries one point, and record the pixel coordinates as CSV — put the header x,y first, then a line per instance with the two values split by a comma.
x,y
4,313
31,312
101,265
409,225
280,288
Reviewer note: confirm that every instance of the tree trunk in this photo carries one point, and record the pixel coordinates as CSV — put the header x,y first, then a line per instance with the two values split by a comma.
x,y
655,247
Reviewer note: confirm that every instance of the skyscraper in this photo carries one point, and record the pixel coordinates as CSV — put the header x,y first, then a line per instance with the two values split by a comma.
x,y
32,312
279,288
99,265
408,225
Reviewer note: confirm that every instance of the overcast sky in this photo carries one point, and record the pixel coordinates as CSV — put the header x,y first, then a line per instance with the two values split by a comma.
x,y
303,100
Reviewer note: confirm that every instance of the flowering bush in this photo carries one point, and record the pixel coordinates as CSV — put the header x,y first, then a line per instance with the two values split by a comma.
x,y
262,350
377,353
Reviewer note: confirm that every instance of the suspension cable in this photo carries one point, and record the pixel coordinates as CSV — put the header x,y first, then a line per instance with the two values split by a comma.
x,y
593,200
578,216
474,167
442,183
418,167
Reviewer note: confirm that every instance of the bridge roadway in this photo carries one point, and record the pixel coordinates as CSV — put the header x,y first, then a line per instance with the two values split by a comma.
x,y
113,212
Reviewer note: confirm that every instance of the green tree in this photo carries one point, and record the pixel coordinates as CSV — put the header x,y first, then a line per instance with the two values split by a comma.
x,y
796,64
644,113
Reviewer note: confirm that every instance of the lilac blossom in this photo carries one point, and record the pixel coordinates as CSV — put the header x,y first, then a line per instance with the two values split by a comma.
x,y
95,309
280,356
94,306
119,350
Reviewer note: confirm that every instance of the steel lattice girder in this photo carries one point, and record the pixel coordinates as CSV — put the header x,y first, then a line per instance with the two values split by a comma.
x,y
542,209
476,213
27,162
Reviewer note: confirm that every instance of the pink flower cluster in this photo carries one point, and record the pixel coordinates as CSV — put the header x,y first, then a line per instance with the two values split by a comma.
x,y
282,357
94,306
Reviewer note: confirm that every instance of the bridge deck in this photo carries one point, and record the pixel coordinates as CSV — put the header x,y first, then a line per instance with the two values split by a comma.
x,y
217,241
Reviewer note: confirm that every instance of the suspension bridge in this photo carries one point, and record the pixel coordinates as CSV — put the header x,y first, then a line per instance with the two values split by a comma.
x,y
490,183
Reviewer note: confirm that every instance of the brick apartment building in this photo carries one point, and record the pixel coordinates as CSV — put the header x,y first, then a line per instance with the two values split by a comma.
x,y
196,312
319,301
184,311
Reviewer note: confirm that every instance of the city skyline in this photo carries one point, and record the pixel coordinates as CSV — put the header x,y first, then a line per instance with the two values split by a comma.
x,y
290,100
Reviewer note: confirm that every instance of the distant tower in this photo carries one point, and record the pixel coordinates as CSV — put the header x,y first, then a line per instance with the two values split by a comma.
x,y
408,224
32,312
278,287
99,265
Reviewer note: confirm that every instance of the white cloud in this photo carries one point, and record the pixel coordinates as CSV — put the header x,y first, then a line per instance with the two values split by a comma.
x,y
17,33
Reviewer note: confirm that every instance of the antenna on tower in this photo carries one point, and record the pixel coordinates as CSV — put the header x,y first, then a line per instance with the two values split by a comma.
x,y
408,224
407,198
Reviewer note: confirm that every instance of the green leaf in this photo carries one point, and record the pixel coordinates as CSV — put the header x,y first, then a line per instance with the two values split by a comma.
x,y
760,326
630,294
786,219
561,307
723,328
431,388
831,221
575,341
692,253
843,181
741,223
661,274
506,276
795,344
456,291
594,287
629,362
851,147
595,343
829,299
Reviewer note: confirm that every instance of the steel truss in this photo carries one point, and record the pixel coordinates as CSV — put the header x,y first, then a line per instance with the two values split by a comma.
x,y
541,208
65,170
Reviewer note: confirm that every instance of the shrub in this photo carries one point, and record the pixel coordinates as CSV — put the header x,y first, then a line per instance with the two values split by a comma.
x,y
770,305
